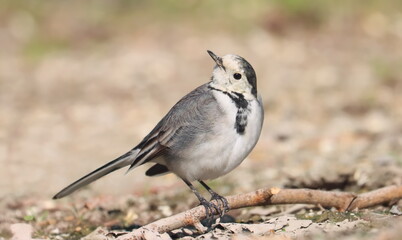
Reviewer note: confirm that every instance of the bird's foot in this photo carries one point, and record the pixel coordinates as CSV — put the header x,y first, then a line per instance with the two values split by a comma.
x,y
210,208
221,201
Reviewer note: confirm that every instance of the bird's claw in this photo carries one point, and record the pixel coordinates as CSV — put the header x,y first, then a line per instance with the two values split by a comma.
x,y
210,210
221,200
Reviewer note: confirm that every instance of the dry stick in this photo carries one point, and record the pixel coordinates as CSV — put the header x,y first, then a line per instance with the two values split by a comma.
x,y
379,196
269,196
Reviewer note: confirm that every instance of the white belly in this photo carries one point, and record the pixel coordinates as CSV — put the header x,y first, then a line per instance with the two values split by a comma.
x,y
227,149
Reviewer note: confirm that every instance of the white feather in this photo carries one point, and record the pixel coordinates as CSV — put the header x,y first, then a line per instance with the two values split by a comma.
x,y
227,149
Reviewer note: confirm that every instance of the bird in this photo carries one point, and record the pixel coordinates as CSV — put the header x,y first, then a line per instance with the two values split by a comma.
x,y
205,135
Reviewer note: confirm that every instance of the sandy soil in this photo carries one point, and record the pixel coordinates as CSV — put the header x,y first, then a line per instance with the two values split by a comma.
x,y
331,97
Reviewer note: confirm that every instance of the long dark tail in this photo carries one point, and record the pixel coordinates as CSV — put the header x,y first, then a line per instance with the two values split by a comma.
x,y
120,162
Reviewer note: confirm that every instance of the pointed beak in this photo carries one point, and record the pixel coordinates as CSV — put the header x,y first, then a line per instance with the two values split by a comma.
x,y
218,60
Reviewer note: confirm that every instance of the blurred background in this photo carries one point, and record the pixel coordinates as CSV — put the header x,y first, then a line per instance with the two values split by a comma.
x,y
82,82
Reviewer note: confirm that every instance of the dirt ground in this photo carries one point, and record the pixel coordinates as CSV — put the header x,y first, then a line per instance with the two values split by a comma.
x,y
82,83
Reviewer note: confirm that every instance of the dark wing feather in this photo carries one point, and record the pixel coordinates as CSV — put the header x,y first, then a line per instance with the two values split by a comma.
x,y
187,118
183,123
156,170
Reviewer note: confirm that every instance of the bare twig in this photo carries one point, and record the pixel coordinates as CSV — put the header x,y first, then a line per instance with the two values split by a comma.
x,y
379,196
343,201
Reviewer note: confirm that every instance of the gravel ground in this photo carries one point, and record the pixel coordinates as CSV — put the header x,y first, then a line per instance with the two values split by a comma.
x,y
77,92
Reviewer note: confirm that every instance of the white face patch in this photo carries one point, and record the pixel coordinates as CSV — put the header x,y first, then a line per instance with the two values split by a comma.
x,y
233,76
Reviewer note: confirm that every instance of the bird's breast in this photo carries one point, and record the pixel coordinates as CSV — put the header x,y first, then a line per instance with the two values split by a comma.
x,y
224,147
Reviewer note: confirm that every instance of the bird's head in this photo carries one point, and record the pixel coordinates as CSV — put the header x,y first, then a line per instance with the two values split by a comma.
x,y
233,73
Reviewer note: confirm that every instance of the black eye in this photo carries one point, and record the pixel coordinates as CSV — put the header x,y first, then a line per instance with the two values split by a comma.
x,y
237,76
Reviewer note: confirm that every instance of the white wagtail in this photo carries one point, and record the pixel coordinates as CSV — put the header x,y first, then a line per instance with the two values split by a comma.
x,y
208,133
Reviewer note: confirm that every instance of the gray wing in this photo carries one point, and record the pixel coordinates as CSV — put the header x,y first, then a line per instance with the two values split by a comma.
x,y
193,114
175,130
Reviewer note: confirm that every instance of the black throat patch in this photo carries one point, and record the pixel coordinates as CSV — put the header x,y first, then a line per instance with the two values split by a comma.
x,y
242,109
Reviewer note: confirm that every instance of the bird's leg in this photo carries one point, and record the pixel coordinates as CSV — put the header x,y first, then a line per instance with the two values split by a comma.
x,y
208,205
218,198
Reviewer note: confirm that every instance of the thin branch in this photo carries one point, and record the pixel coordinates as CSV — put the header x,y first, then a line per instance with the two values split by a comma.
x,y
376,197
343,201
